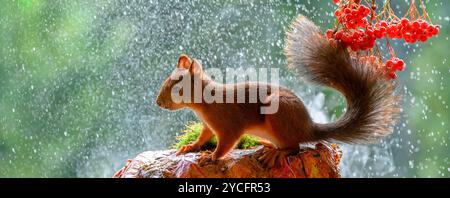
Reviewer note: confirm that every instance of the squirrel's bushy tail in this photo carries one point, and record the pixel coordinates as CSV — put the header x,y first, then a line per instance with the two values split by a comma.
x,y
372,107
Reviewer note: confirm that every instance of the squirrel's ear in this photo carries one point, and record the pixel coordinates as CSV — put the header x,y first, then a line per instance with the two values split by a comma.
x,y
196,68
184,62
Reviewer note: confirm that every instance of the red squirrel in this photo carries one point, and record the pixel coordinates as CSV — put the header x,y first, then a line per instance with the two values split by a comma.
x,y
371,112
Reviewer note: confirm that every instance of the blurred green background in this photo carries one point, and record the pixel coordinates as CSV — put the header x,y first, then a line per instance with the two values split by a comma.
x,y
78,81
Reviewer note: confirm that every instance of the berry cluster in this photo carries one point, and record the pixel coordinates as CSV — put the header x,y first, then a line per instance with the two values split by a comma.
x,y
393,66
339,1
381,29
352,16
418,30
356,40
356,32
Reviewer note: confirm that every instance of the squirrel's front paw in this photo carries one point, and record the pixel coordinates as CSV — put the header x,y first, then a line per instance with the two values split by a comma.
x,y
187,148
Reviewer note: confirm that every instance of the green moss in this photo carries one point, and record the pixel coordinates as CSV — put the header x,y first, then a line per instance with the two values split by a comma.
x,y
190,133
193,129
248,141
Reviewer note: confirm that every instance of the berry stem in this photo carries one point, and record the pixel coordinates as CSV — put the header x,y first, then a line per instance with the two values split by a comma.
x,y
424,11
372,15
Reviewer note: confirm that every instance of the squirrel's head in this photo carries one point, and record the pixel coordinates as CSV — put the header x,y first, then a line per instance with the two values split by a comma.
x,y
173,94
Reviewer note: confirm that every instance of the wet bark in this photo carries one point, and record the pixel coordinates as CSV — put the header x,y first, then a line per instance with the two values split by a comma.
x,y
320,161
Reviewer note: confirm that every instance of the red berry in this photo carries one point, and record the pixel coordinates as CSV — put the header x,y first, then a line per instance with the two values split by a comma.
x,y
435,30
346,38
405,21
408,37
400,65
423,38
389,63
424,25
366,11
362,9
363,23
348,17
383,24
339,34
329,33
347,11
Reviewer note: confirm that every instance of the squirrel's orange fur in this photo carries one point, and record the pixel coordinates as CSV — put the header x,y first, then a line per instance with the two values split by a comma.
x,y
371,104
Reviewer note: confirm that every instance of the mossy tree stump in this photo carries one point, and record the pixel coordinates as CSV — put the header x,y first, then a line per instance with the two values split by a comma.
x,y
321,161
